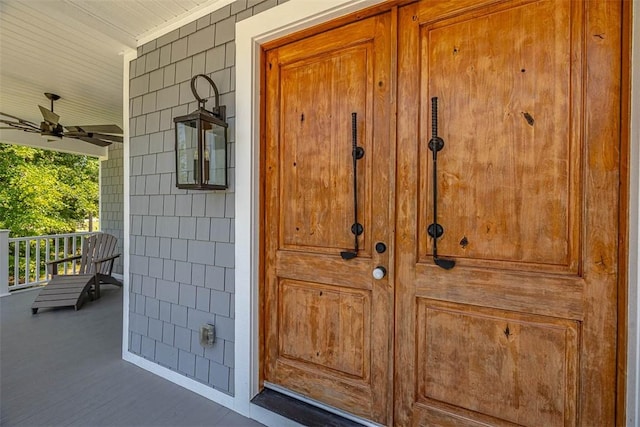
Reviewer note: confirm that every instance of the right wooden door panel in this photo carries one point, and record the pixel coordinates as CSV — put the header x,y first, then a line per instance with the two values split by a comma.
x,y
522,330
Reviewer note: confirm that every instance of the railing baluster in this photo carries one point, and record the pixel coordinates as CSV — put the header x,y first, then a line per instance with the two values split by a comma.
x,y
47,257
66,252
37,275
52,251
27,253
16,263
57,244
75,245
4,262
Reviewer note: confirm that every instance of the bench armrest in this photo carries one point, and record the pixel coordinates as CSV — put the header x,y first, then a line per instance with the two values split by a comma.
x,y
67,259
109,258
54,264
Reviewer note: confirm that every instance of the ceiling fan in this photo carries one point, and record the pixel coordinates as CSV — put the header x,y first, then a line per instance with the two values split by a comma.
x,y
102,135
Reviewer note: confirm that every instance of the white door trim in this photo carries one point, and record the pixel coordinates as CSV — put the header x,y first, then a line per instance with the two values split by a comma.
x,y
127,57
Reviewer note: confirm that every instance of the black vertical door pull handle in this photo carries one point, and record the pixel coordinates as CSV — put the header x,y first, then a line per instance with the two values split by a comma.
x,y
357,153
436,230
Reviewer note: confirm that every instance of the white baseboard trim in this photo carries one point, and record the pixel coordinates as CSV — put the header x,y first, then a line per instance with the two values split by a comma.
x,y
256,412
179,379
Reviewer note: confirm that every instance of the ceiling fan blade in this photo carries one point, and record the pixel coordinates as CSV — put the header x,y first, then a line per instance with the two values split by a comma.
x,y
94,141
27,126
113,138
102,136
17,118
49,116
96,128
18,128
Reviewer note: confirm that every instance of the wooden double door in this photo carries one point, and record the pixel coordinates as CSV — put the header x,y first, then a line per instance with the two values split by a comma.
x,y
522,329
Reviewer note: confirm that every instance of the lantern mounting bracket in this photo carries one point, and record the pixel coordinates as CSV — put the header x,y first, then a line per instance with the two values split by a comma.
x,y
218,111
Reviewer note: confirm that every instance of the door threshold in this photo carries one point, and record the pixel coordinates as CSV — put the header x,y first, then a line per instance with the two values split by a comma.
x,y
303,410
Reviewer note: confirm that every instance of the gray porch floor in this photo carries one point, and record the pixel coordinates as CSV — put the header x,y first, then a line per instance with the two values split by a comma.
x,y
63,367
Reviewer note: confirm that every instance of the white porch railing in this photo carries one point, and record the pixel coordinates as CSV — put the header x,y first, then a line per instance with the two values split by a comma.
x,y
25,258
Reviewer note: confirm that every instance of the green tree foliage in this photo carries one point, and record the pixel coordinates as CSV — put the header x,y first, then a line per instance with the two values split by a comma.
x,y
45,192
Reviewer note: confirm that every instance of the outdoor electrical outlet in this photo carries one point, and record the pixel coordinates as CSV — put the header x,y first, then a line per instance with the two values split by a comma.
x,y
207,335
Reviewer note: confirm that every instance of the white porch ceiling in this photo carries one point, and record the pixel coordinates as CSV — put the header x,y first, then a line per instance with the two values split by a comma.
x,y
74,48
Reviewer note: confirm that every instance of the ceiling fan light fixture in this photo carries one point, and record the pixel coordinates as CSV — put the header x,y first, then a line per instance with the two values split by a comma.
x,y
45,127
50,128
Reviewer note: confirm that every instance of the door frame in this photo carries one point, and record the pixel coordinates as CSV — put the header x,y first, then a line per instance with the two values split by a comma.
x,y
289,18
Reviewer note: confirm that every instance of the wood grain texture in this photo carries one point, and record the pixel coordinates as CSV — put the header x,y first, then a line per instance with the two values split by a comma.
x,y
315,174
536,195
548,295
623,232
523,331
601,185
325,326
321,337
527,365
506,111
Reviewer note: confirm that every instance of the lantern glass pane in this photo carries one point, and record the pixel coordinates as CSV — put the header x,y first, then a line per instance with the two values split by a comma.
x,y
187,145
214,167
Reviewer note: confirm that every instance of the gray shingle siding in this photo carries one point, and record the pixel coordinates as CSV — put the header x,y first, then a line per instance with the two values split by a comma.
x,y
182,250
112,199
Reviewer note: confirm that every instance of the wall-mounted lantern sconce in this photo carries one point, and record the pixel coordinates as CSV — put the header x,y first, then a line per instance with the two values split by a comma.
x,y
201,145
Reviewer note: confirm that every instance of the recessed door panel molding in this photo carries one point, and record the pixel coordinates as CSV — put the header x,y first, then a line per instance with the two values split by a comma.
x,y
527,364
317,197
509,86
325,327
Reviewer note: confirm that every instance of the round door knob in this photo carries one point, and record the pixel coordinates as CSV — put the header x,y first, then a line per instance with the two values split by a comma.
x,y
379,272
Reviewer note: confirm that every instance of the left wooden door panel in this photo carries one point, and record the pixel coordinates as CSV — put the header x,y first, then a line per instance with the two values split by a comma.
x,y
328,323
